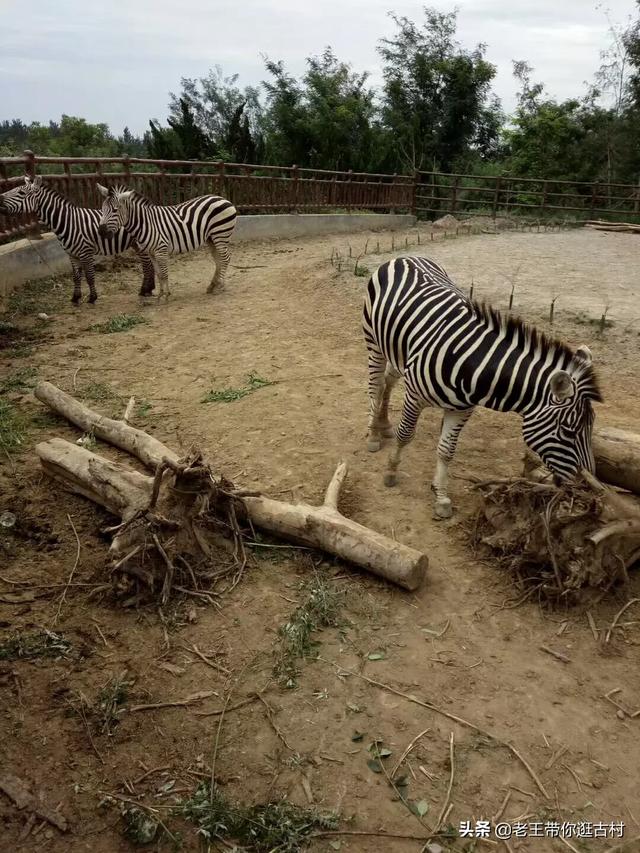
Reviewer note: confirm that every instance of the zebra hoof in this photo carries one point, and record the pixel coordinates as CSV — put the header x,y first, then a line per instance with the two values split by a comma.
x,y
75,301
373,445
390,479
387,431
443,508
92,299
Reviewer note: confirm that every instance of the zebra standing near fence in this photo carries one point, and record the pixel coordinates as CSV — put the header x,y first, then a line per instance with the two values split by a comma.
x,y
172,229
456,354
77,229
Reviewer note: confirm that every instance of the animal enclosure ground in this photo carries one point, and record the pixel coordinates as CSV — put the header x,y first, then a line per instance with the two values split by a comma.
x,y
462,642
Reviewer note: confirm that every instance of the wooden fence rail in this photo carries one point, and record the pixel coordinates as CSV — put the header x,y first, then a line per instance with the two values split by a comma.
x,y
286,189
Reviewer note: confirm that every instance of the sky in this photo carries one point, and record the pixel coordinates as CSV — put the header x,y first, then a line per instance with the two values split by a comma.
x,y
116,61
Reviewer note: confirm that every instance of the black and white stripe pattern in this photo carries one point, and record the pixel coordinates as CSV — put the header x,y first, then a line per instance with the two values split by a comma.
x,y
456,354
163,230
77,229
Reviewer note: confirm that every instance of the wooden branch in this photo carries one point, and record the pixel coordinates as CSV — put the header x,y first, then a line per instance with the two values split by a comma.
x,y
326,528
140,444
118,489
124,492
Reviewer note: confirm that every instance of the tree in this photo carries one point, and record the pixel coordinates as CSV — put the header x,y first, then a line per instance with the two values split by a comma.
x,y
325,121
436,94
227,116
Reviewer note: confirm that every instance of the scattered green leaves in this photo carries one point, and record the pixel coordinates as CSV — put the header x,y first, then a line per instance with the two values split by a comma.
x,y
281,826
378,655
420,808
319,610
38,644
119,323
229,395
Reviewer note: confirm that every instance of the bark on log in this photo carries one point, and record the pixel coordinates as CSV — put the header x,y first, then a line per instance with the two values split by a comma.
x,y
617,454
140,444
125,492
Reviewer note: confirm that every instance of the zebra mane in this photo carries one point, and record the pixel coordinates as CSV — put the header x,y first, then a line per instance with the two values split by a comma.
x,y
582,372
117,189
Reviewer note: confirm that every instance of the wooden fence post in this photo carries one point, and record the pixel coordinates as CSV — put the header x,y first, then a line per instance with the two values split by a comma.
x,y
544,196
126,168
30,165
295,175
454,193
496,196
414,193
349,190
221,178
592,206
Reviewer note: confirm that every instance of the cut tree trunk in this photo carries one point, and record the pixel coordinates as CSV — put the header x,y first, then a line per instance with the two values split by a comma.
x,y
617,454
185,505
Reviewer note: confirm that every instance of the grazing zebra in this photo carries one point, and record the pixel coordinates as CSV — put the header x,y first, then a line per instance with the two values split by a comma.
x,y
172,229
77,230
456,354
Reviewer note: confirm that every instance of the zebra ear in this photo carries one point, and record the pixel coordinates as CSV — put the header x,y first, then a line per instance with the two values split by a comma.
x,y
125,195
583,354
102,190
37,181
27,180
561,385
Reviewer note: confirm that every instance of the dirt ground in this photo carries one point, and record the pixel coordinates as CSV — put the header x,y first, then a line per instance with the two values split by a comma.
x,y
462,642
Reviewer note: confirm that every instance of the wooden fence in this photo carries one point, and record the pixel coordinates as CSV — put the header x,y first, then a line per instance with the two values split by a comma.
x,y
287,189
252,188
438,193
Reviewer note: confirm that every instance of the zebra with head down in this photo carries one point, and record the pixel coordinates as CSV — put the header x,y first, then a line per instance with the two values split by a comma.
x,y
456,354
77,229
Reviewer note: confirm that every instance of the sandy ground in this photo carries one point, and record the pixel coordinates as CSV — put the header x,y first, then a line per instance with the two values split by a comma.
x,y
291,318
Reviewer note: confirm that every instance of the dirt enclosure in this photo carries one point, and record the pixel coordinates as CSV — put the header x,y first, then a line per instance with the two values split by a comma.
x,y
70,724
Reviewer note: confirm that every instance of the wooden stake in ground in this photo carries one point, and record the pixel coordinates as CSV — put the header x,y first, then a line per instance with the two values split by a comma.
x,y
135,497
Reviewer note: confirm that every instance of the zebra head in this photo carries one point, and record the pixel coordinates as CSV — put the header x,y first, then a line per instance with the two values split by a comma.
x,y
559,430
115,209
23,198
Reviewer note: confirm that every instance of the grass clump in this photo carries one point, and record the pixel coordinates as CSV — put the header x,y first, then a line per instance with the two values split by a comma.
x,y
319,610
36,297
12,428
110,704
228,395
281,826
19,380
119,323
38,644
98,391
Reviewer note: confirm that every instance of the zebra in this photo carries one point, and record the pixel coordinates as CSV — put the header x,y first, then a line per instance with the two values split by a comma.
x,y
172,229
77,230
456,354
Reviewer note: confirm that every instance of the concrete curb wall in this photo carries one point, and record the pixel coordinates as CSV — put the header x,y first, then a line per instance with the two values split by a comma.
x,y
24,260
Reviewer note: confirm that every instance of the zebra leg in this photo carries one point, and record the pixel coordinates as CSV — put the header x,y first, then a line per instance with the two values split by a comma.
x,y
90,275
385,426
76,270
452,423
221,257
148,274
162,264
377,366
405,433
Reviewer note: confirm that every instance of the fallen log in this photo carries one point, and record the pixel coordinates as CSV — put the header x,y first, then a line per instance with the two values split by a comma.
x,y
617,454
184,511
